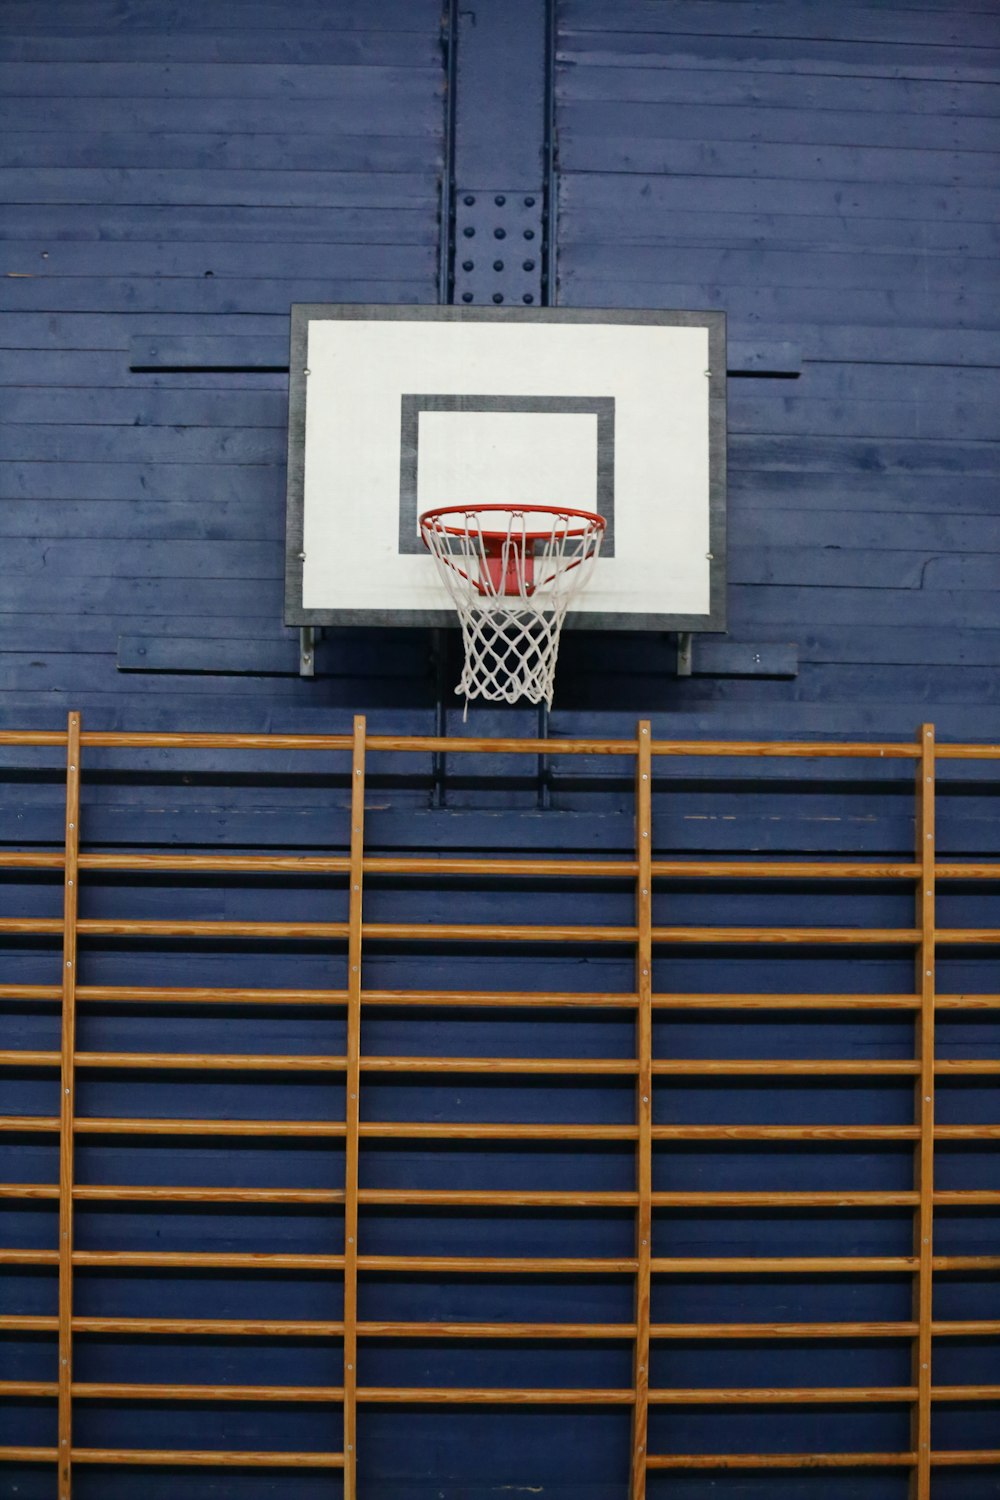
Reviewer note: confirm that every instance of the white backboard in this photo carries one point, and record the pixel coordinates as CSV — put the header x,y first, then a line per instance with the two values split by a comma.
x,y
396,410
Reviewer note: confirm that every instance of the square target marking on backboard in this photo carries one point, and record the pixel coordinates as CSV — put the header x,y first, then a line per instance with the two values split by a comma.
x,y
396,410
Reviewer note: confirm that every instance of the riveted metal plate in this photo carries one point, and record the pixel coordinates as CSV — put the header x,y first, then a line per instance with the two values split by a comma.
x,y
499,254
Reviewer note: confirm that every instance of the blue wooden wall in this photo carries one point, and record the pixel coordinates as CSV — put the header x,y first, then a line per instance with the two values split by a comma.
x,y
825,174
180,171
828,175
188,171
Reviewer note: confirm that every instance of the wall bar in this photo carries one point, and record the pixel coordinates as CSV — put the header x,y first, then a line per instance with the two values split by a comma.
x,y
923,1219
643,1103
67,1091
352,1108
349,936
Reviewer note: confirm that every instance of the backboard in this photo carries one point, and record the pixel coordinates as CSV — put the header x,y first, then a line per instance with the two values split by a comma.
x,y
396,410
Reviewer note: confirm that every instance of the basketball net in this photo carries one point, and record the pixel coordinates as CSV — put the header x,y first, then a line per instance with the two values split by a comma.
x,y
512,575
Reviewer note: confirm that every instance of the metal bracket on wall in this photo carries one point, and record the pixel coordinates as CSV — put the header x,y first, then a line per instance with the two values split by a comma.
x,y
685,653
499,251
308,636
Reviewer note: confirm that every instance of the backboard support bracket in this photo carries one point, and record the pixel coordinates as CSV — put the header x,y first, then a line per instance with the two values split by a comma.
x,y
308,636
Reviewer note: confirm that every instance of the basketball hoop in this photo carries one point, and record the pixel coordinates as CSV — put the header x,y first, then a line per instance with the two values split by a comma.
x,y
512,574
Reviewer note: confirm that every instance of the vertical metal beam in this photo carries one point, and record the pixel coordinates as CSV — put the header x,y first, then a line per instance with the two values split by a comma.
x,y
446,244
497,198
352,1110
923,1225
643,1101
67,1088
550,274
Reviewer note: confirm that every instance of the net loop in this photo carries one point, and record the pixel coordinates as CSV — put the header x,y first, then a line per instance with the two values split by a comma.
x,y
512,575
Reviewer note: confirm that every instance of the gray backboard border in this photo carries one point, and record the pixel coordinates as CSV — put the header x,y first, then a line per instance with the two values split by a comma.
x,y
304,313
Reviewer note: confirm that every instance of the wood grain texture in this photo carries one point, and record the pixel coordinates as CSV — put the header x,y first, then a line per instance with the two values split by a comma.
x,y
391,1060
643,1102
353,1106
67,1101
924,1047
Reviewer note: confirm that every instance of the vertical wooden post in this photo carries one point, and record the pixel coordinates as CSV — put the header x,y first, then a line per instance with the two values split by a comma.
x,y
67,1090
352,1109
923,1224
644,1102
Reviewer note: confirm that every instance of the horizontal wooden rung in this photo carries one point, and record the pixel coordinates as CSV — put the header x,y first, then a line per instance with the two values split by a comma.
x,y
780,1460
443,932
558,1066
941,1458
699,869
499,1198
209,1260
786,1395
757,1265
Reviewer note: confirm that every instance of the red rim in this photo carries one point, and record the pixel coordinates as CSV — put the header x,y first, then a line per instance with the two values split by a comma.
x,y
593,521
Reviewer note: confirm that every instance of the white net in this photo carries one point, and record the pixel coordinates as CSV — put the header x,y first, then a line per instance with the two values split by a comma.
x,y
512,576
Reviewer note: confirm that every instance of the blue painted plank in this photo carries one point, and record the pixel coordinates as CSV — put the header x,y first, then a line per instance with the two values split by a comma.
x,y
94,634
246,656
363,110
65,18
779,357
787,230
776,266
274,188
46,223
590,149
889,343
119,406
80,557
733,86
849,455
208,295
771,122
777,411
918,384
110,368
628,195
850,22
915,645
212,351
807,55
382,152
148,596
113,330
755,605
253,484
771,305
870,529
228,258
401,86
753,489
415,47
203,445
207,518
